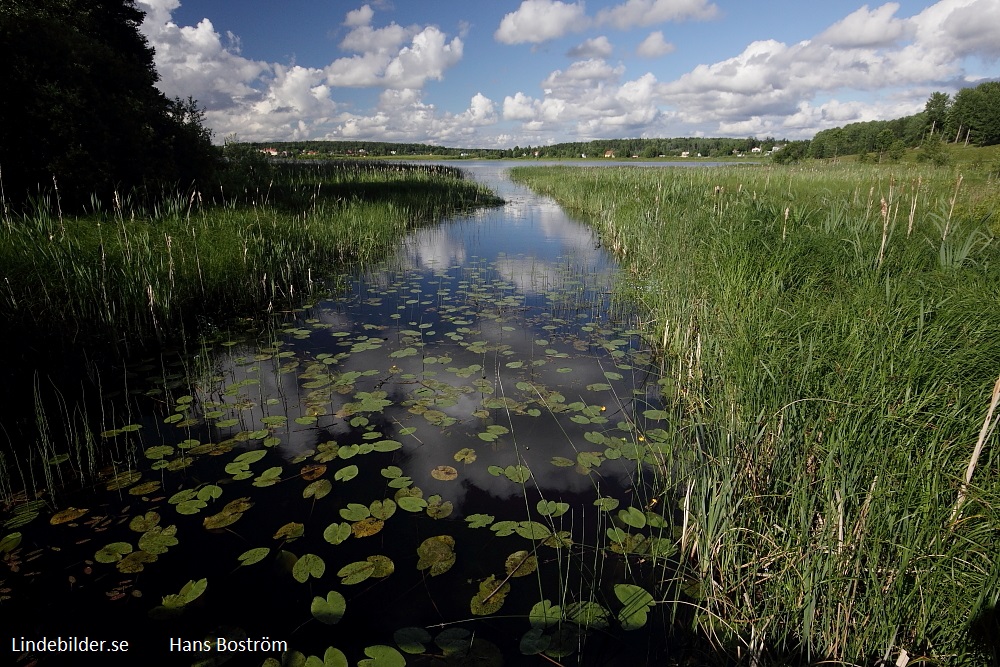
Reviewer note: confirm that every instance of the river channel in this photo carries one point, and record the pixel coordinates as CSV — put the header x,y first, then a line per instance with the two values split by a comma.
x,y
456,461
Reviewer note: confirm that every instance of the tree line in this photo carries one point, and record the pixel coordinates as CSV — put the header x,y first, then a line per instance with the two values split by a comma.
x,y
598,148
972,117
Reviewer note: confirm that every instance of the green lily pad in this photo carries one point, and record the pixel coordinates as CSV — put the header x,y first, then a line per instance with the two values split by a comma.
x,y
437,508
544,614
533,530
317,489
479,520
336,533
346,474
382,509
356,572
382,656
193,590
411,503
355,512
253,556
112,553
309,565
633,517
552,508
517,473
329,610
157,540
10,542
412,640
637,602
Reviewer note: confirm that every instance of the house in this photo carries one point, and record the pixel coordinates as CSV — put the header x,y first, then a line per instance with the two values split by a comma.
x,y
609,153
685,153
755,149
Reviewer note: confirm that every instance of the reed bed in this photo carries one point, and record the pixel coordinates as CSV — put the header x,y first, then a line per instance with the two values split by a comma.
x,y
831,346
261,240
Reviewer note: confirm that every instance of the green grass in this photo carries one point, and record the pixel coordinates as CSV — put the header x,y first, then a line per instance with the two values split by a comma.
x,y
830,367
271,237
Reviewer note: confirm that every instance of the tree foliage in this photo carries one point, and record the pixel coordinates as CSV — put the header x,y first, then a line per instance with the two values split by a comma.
x,y
80,110
973,114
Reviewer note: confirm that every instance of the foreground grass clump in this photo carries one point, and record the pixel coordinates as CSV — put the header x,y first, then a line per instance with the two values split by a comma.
x,y
233,251
831,343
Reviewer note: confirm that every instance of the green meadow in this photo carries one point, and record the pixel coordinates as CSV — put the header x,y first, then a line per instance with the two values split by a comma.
x,y
830,340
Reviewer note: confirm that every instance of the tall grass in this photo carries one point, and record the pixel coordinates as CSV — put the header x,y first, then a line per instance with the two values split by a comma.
x,y
265,241
831,341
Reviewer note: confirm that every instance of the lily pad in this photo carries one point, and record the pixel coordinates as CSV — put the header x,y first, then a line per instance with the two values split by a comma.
x,y
520,564
112,553
355,512
382,656
329,610
479,520
157,540
367,527
309,565
412,640
317,489
10,542
437,508
253,556
336,533
490,597
637,602
346,473
436,554
67,515
465,455
444,473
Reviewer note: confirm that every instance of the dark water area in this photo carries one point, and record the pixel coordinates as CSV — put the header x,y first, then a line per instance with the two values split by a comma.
x,y
458,460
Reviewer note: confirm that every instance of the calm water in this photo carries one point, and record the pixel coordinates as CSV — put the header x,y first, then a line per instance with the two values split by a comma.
x,y
466,436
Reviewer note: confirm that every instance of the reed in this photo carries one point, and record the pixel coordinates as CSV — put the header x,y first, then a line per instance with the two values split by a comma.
x,y
138,269
831,377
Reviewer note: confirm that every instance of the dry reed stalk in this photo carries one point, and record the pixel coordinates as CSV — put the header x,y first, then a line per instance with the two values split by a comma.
x,y
984,433
947,224
913,207
885,229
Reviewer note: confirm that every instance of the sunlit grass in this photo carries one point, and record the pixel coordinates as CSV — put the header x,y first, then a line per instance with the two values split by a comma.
x,y
831,339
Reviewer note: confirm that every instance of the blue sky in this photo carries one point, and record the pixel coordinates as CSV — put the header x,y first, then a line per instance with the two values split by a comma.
x,y
478,73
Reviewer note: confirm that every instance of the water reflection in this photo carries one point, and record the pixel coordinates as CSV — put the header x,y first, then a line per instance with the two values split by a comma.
x,y
481,364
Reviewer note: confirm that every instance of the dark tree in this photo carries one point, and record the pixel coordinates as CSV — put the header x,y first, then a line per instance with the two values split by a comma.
x,y
80,107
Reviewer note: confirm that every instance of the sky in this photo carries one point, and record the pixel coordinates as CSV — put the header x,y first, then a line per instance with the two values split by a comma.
x,y
495,74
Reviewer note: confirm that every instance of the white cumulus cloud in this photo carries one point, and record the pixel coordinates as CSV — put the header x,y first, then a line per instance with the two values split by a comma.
x,y
649,12
654,46
537,21
597,47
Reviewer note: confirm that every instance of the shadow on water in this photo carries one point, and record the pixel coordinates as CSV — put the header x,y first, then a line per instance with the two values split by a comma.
x,y
459,460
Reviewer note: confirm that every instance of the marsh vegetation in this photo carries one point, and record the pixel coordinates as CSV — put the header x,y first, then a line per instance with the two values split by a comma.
x,y
830,340
745,416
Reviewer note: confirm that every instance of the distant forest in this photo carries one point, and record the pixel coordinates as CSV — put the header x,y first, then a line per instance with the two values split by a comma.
x,y
620,148
972,117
